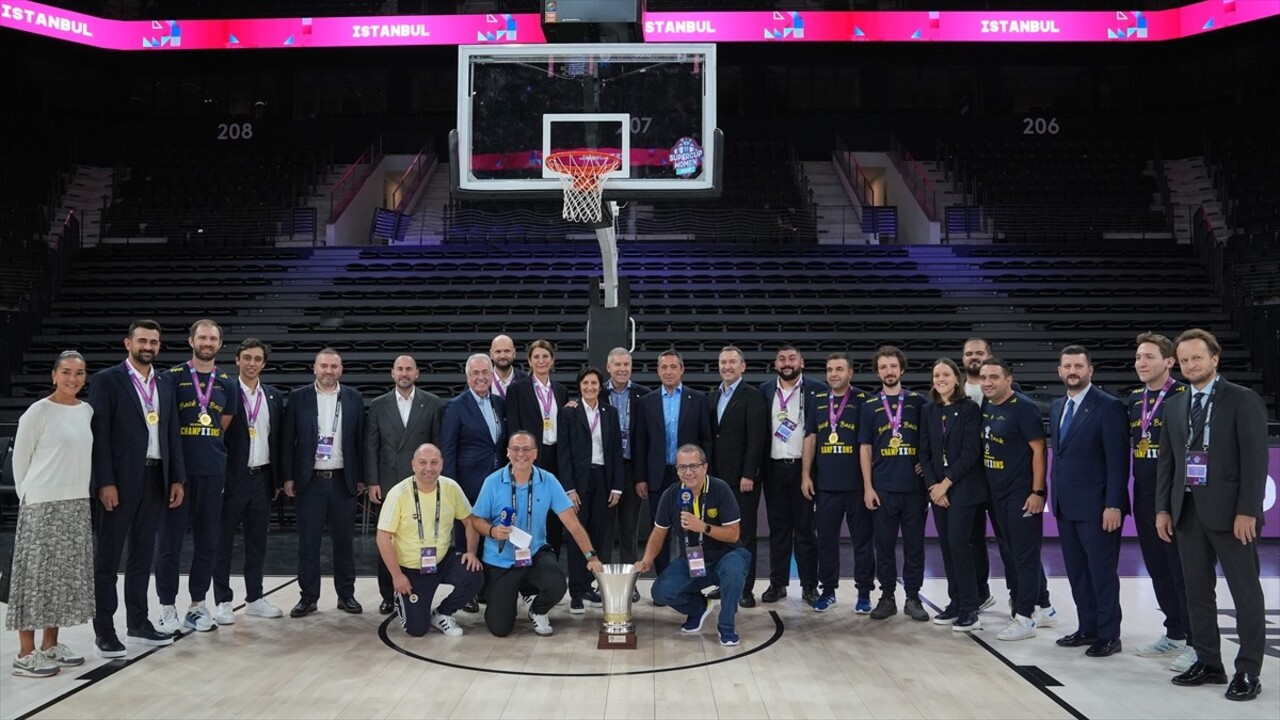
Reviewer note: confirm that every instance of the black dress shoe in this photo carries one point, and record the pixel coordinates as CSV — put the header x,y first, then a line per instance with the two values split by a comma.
x,y
1103,648
350,605
773,594
1201,674
472,606
386,607
810,596
1076,639
146,634
1244,686
714,594
303,608
109,646
635,595
747,601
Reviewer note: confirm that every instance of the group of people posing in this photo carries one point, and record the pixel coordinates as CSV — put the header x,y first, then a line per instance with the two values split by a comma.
x,y
477,492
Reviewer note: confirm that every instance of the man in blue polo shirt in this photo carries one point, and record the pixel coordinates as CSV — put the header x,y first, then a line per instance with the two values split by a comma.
x,y
511,514
707,514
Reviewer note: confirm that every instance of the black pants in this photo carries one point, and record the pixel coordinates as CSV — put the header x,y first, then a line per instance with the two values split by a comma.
x,y
624,519
326,500
415,613
905,512
790,517
1200,547
250,505
1164,566
955,539
1020,552
593,513
749,506
133,522
978,539
847,508
543,578
661,562
201,510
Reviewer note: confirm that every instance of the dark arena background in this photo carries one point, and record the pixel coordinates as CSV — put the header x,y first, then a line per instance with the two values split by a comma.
x,y
1037,173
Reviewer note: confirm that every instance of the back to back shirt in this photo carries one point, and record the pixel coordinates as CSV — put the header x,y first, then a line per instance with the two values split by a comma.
x,y
836,465
893,469
1007,429
1145,455
203,446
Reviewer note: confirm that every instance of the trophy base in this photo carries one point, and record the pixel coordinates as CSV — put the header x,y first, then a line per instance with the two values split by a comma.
x,y
616,641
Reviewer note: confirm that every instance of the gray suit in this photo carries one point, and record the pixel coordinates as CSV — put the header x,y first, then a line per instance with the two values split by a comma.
x,y
390,444
1203,517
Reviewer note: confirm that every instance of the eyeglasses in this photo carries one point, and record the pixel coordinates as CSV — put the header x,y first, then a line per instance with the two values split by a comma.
x,y
689,468
479,373
522,449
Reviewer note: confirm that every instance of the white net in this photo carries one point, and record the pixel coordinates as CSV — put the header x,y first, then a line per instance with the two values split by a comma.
x,y
582,175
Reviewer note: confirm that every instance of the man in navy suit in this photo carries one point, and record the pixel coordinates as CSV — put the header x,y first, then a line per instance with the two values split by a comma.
x,y
137,471
321,453
625,395
253,455
1090,494
667,418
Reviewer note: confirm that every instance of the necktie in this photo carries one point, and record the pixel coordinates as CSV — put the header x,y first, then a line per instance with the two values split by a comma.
x,y
1197,416
1067,417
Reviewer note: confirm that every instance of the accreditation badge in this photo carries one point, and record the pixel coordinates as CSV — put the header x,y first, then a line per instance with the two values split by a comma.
x,y
1197,468
697,562
428,561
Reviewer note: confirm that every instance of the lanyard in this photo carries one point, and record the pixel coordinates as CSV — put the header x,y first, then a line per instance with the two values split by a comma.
x,y
624,409
699,509
1208,415
595,421
337,407
1148,418
528,509
784,400
895,418
417,511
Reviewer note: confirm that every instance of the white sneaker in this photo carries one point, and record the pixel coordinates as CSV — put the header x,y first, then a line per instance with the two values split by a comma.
x,y
199,619
541,623
450,627
62,656
1045,617
987,602
1163,647
1183,662
35,665
169,623
1020,628
224,615
263,608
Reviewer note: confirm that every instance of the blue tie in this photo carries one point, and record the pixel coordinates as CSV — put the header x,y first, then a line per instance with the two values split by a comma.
x,y
1070,415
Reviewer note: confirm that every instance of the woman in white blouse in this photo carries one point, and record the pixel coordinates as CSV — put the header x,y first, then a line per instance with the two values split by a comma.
x,y
51,583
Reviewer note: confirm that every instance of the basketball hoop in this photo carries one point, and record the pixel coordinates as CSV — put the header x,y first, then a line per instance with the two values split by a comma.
x,y
582,174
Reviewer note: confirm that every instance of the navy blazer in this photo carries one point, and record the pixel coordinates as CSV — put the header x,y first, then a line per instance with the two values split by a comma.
x,y
649,445
238,439
575,447
302,435
741,434
470,454
523,410
963,446
1090,468
120,433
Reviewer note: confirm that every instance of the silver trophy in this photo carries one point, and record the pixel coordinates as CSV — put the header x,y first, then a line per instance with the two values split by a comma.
x,y
616,583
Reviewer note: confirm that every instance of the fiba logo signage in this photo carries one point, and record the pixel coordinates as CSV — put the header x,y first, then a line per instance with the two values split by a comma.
x,y
686,156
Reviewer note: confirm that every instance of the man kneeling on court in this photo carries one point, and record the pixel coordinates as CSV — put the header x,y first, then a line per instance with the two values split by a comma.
x,y
415,527
708,516
511,512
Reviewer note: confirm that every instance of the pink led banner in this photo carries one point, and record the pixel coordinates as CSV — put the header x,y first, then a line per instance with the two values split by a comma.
x,y
766,26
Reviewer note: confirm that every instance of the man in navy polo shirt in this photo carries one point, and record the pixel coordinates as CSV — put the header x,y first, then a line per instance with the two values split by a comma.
x,y
707,514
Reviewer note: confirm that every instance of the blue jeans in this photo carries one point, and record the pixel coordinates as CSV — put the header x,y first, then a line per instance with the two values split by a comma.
x,y
682,593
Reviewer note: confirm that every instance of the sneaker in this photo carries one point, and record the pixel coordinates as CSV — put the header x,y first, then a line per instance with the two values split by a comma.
x,y
1045,617
1020,628
592,599
34,665
863,607
946,617
1183,662
729,638
809,595
223,614
541,623
825,602
1163,647
169,623
109,646
199,619
145,635
263,608
886,607
450,627
966,622
635,596
62,656
987,602
693,625
915,610
575,605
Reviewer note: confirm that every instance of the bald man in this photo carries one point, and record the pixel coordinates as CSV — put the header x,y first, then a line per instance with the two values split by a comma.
x,y
398,422
502,351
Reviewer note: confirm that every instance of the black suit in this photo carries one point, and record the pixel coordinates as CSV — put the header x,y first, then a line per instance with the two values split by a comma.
x,y
120,459
625,517
593,482
324,494
247,494
524,411
1204,516
741,437
959,441
790,514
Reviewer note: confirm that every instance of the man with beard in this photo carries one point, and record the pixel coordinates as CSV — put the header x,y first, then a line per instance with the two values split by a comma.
x,y
892,482
975,352
790,397
138,468
398,423
502,351
1090,478
207,402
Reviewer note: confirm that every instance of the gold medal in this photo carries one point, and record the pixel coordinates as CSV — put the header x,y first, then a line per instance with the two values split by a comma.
x,y
833,438
895,442
253,432
546,424
1144,446
153,418
782,416
205,419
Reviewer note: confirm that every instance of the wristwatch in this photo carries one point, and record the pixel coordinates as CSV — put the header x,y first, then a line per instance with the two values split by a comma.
x,y
1038,492
589,554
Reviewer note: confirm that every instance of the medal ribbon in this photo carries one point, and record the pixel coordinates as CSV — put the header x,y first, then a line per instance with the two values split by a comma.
x,y
257,404
498,387
544,400
595,421
783,400
1148,418
895,419
202,396
148,391
835,413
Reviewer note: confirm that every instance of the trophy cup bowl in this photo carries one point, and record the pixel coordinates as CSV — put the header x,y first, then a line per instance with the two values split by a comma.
x,y
616,583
